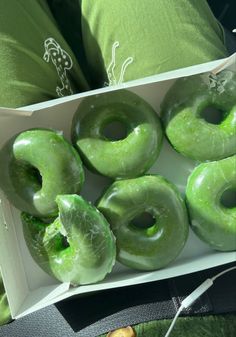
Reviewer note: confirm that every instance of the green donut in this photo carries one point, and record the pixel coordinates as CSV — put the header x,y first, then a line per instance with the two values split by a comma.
x,y
186,127
146,248
128,157
5,315
213,220
78,247
37,165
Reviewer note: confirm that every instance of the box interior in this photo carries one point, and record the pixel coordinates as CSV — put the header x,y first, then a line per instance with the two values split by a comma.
x,y
28,287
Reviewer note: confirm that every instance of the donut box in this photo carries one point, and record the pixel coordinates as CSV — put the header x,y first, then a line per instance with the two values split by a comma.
x,y
28,287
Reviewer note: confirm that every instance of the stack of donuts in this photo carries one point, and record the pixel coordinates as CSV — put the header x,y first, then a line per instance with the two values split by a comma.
x,y
77,242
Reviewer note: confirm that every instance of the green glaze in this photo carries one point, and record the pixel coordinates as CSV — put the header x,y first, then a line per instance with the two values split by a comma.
x,y
212,221
128,157
146,248
5,315
187,130
78,247
59,168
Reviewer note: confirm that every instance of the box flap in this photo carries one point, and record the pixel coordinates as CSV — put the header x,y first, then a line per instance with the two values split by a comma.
x,y
40,298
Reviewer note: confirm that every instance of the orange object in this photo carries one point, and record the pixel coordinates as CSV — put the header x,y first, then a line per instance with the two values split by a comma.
x,y
123,332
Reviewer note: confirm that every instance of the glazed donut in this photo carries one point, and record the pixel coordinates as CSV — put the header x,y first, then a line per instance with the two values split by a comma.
x,y
146,248
78,247
186,126
37,165
213,217
128,157
5,315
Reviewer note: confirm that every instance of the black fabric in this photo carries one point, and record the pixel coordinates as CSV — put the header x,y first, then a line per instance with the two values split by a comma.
x,y
225,12
107,310
223,293
47,322
230,40
93,315
130,316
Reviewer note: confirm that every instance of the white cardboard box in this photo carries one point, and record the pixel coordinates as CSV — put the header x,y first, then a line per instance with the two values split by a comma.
x,y
27,286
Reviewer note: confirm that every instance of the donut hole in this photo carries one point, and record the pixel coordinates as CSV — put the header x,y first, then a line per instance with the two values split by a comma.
x,y
228,198
213,115
60,242
115,130
36,174
144,220
65,242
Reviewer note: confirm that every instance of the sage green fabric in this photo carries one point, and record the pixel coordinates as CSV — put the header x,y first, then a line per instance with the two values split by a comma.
x,y
36,64
5,315
126,40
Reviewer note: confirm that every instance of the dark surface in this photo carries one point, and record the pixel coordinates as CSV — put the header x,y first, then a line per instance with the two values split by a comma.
x,y
92,315
225,11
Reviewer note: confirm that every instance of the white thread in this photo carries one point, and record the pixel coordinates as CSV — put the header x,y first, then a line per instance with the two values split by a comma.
x,y
128,61
62,61
189,300
111,75
112,65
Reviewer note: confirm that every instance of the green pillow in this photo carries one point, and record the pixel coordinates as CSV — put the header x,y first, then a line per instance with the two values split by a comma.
x,y
36,64
130,39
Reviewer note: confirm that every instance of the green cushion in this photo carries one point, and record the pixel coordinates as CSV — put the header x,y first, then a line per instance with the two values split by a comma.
x,y
126,40
36,64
